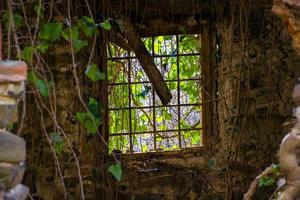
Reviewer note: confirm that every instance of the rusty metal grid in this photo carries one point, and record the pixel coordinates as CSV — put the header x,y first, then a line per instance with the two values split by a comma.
x,y
153,106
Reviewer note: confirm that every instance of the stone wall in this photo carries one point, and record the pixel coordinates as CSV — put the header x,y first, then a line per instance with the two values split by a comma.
x,y
256,75
252,99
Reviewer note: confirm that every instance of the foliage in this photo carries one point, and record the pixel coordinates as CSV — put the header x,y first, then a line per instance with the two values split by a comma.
x,y
270,180
141,96
51,32
105,25
17,19
58,143
90,120
40,84
116,171
92,71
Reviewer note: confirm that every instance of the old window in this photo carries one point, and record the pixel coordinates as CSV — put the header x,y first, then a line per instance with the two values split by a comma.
x,y
138,122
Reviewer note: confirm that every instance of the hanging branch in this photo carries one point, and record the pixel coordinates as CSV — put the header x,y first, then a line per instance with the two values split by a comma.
x,y
144,57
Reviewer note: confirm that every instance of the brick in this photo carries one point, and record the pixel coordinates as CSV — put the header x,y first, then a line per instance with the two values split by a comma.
x,y
13,71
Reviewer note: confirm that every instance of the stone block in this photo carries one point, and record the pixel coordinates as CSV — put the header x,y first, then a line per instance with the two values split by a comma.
x,y
8,115
13,71
12,148
296,94
11,174
11,92
20,192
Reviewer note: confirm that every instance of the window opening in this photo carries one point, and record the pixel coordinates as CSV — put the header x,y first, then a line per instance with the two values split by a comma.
x,y
138,122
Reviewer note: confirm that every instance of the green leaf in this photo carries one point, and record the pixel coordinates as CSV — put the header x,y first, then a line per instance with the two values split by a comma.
x,y
89,122
87,25
211,163
276,169
116,171
58,143
92,71
144,148
94,107
32,77
43,46
105,25
71,33
79,44
51,32
27,54
89,125
195,138
39,9
42,87
266,181
18,19
55,137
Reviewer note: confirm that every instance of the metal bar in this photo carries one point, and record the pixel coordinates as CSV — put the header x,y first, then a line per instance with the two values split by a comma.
x,y
167,81
156,106
153,106
155,56
178,92
153,103
158,131
129,104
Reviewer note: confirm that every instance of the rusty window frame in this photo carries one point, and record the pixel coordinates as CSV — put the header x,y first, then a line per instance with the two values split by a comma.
x,y
154,107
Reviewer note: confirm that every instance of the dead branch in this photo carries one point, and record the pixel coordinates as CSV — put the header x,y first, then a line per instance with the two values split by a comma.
x,y
144,58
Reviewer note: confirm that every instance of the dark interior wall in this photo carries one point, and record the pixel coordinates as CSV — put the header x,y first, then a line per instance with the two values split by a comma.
x,y
252,77
255,75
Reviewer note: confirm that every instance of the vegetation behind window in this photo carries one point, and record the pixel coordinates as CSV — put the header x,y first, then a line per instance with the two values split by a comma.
x,y
138,122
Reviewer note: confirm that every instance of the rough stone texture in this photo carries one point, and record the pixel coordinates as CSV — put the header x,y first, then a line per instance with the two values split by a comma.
x,y
255,83
288,11
10,94
20,192
12,148
255,80
11,174
13,71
